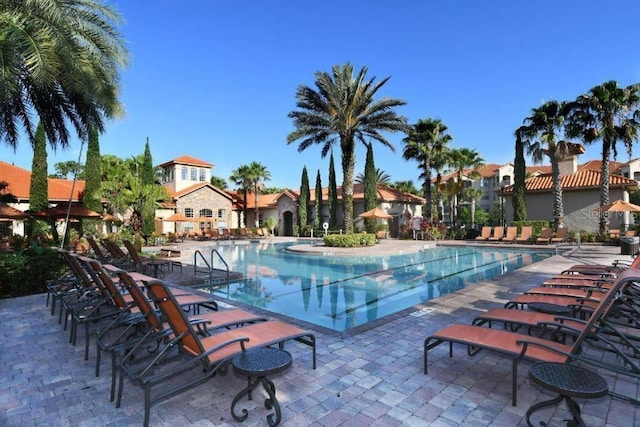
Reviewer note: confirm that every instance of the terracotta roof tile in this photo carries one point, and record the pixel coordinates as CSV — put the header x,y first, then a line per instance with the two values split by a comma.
x,y
19,180
583,179
187,160
195,187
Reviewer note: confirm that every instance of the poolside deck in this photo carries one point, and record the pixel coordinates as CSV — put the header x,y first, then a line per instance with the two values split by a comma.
x,y
373,378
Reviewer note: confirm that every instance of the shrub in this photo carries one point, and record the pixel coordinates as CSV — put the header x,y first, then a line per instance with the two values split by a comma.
x,y
26,272
349,240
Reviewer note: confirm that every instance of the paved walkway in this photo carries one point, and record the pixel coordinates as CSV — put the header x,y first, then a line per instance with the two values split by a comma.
x,y
373,378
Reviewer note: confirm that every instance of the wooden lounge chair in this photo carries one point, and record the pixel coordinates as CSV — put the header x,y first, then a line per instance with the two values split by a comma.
x,y
561,235
525,234
498,233
484,234
545,236
511,234
520,346
196,354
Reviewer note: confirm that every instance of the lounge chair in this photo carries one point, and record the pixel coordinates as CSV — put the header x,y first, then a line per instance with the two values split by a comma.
x,y
525,234
561,236
136,260
97,252
511,234
520,346
545,236
594,269
202,355
156,329
498,233
484,234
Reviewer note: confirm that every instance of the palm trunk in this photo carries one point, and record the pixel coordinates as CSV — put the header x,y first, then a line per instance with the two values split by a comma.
x,y
427,191
558,209
604,187
348,165
256,210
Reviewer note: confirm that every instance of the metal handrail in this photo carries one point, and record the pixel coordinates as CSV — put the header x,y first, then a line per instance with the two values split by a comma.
x,y
209,264
195,262
221,259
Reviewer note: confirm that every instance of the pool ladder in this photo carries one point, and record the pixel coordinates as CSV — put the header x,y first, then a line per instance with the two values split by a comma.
x,y
215,278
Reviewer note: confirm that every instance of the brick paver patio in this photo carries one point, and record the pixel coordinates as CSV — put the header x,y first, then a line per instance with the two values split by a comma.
x,y
373,378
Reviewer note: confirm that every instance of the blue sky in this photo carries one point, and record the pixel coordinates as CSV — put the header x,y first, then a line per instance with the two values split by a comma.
x,y
216,79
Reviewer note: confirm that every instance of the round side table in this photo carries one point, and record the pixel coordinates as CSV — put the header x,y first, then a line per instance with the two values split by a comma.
x,y
568,381
257,364
543,307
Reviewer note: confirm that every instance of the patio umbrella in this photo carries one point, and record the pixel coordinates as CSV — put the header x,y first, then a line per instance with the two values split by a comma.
x,y
9,212
77,211
202,219
620,206
178,217
375,213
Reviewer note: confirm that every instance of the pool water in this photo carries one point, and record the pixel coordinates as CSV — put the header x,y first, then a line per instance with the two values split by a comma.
x,y
343,292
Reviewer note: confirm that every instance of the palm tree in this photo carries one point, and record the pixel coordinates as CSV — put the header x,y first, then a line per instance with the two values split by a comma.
x,y
405,186
342,108
257,173
472,195
60,60
438,163
241,177
611,114
462,159
543,130
382,178
426,139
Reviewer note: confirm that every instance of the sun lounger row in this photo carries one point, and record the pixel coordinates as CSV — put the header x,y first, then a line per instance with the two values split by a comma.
x,y
157,334
498,234
606,316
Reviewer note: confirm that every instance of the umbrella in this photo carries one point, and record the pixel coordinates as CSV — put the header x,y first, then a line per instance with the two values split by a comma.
x,y
620,206
178,217
375,213
202,219
77,211
9,212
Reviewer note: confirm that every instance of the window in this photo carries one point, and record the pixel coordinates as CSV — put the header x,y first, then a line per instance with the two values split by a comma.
x,y
188,212
636,176
206,212
626,174
184,173
222,213
203,175
194,174
506,179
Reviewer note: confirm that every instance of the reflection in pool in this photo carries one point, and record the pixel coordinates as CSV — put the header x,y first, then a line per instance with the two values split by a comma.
x,y
342,292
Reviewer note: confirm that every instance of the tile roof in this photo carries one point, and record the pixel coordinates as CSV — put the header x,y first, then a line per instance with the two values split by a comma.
x,y
194,187
583,179
187,160
19,180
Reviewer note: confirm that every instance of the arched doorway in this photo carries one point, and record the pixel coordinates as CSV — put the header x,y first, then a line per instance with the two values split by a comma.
x,y
287,218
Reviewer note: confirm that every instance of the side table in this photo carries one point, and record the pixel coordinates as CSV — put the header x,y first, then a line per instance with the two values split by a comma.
x,y
543,307
568,381
258,364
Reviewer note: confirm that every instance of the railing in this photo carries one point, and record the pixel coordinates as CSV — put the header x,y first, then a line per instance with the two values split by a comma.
x,y
197,254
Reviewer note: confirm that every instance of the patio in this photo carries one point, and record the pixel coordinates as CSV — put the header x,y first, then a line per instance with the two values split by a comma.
x,y
373,378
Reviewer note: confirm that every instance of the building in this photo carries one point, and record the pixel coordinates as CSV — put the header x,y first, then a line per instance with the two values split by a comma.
x,y
19,184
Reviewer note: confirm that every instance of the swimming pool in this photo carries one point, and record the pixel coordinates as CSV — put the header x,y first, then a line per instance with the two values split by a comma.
x,y
344,292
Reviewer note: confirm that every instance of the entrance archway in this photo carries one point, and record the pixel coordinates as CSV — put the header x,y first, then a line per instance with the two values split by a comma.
x,y
287,218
